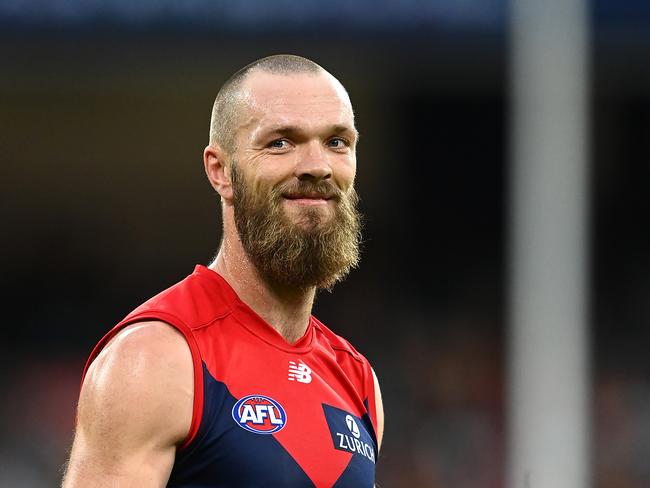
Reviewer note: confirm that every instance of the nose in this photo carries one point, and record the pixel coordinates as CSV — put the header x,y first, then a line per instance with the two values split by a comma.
x,y
313,163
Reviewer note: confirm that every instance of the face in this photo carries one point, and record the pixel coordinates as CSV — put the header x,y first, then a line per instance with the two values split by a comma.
x,y
292,174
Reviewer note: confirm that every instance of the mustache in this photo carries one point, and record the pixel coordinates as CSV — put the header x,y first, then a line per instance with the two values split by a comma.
x,y
310,189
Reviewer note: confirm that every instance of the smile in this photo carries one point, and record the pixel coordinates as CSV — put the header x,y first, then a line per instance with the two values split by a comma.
x,y
308,200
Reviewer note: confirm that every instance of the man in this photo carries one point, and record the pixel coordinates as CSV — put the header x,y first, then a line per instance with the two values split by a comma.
x,y
226,379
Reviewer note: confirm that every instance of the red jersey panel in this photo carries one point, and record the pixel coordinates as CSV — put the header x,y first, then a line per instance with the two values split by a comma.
x,y
266,413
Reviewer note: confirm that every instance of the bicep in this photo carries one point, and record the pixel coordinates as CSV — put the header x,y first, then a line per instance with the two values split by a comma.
x,y
135,406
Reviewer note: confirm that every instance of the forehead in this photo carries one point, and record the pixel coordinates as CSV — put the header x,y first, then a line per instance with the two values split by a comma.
x,y
304,98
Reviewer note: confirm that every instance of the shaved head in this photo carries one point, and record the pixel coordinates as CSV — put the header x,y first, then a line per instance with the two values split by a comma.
x,y
226,111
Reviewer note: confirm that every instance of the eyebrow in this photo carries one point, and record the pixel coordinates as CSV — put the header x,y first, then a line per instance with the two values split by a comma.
x,y
293,130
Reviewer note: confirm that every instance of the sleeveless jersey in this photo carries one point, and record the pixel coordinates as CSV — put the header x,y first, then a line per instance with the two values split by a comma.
x,y
266,413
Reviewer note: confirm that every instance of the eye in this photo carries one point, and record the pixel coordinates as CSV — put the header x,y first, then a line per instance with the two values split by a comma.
x,y
278,144
338,143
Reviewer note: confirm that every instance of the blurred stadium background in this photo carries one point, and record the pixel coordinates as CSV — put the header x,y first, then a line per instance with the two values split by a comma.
x,y
104,112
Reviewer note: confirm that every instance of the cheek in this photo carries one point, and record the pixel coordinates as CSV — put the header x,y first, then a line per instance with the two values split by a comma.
x,y
345,175
254,179
271,169
262,188
272,177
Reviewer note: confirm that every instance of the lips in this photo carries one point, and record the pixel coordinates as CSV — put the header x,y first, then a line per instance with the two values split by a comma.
x,y
307,196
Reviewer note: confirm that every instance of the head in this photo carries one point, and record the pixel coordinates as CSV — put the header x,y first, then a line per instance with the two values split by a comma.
x,y
282,155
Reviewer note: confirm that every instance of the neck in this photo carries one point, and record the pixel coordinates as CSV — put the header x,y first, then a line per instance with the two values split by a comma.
x,y
286,309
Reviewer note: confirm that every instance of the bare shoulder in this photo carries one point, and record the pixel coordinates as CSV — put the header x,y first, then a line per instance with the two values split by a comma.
x,y
143,376
135,407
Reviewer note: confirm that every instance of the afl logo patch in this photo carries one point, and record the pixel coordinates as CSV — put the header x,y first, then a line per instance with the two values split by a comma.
x,y
259,414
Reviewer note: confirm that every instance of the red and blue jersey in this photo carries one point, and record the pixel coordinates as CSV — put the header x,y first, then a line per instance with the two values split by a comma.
x,y
266,413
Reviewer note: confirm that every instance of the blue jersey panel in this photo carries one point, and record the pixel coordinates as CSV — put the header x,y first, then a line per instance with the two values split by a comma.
x,y
225,455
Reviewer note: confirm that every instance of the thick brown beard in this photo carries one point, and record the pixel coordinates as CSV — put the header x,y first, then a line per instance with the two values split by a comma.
x,y
311,253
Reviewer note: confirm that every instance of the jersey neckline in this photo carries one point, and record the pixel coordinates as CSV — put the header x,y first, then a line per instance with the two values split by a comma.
x,y
250,320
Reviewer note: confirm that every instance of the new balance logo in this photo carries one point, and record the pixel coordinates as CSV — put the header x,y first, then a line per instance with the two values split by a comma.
x,y
300,372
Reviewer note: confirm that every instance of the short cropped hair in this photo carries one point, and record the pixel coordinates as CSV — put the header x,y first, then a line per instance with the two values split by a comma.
x,y
227,105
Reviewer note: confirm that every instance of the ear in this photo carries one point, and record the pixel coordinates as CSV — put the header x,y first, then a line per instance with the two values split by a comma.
x,y
218,172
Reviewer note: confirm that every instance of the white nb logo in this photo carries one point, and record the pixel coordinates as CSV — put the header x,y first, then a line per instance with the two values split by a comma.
x,y
299,372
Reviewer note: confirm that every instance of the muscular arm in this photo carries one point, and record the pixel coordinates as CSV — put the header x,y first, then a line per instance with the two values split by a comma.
x,y
135,407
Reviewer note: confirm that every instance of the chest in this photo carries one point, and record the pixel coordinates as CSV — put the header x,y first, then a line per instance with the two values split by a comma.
x,y
271,418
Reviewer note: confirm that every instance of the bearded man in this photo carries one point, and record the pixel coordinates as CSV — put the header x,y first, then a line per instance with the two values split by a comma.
x,y
226,379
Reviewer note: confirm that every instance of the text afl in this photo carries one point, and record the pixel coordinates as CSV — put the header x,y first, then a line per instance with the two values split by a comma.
x,y
259,414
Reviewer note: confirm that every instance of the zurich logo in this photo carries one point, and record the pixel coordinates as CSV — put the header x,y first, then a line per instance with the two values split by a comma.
x,y
352,425
259,414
